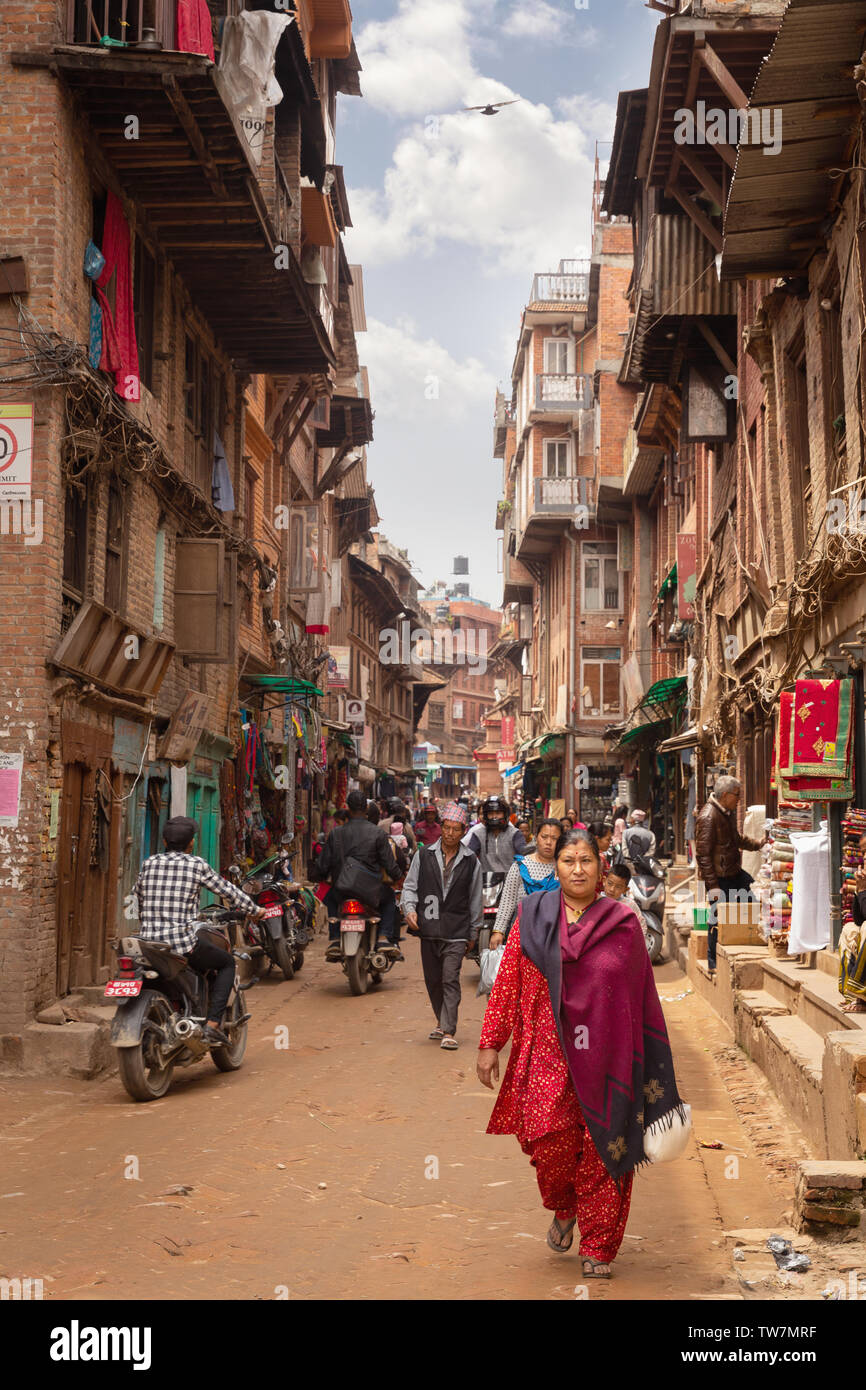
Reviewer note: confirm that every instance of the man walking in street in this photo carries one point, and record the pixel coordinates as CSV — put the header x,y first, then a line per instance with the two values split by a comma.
x,y
442,904
718,849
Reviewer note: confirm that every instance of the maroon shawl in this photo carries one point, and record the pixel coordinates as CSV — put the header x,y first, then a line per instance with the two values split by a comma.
x,y
610,1022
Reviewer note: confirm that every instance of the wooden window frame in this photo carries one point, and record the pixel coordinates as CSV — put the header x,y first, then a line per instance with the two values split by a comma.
x,y
114,587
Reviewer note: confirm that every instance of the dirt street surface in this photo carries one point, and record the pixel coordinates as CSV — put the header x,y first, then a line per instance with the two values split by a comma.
x,y
354,1165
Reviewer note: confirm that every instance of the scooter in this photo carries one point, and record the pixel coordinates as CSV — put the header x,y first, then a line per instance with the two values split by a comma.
x,y
647,890
363,962
491,892
162,1007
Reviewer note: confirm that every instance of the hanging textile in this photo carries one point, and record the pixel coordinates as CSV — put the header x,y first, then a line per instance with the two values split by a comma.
x,y
194,30
810,907
792,784
820,729
222,492
119,348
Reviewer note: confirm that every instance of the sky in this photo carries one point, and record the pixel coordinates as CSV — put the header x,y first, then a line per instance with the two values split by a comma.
x,y
453,212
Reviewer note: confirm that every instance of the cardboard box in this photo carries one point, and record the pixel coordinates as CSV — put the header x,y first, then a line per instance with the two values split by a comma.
x,y
739,924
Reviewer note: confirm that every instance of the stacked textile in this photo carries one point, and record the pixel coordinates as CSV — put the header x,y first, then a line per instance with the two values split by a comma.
x,y
776,902
853,827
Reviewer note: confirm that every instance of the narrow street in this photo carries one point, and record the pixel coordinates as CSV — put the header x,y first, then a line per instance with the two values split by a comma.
x,y
308,1169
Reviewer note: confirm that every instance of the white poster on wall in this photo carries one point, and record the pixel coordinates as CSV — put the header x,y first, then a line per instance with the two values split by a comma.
x,y
11,772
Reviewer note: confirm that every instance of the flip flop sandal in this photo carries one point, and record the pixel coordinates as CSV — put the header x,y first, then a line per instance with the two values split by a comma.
x,y
449,1044
437,1035
592,1268
565,1228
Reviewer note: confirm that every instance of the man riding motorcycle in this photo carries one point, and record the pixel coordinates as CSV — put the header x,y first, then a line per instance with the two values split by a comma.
x,y
369,846
167,891
495,841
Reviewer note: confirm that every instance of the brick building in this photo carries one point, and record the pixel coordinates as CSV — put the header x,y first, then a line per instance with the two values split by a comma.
x,y
567,529
196,497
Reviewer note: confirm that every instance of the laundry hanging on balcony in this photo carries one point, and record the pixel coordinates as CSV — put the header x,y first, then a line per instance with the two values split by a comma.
x,y
119,348
247,63
194,31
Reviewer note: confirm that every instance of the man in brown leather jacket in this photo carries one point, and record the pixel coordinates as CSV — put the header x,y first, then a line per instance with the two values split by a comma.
x,y
718,849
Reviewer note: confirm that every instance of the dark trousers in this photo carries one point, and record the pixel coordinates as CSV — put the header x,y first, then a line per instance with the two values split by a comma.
x,y
738,884
389,926
441,961
204,957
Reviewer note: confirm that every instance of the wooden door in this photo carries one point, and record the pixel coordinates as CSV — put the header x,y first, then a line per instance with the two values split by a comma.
x,y
87,876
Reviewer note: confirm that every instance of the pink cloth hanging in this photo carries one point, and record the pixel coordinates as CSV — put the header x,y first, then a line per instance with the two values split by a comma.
x,y
119,348
194,32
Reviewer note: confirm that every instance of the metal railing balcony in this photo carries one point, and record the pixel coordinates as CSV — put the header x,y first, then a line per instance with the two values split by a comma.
x,y
128,23
555,390
560,289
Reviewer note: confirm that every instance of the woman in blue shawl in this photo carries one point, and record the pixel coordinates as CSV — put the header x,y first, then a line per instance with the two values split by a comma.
x,y
530,873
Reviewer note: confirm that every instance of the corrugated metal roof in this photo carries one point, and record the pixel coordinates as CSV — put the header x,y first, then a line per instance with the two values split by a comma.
x,y
778,202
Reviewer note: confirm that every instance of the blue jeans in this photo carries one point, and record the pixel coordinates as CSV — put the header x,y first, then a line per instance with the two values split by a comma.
x,y
738,883
389,926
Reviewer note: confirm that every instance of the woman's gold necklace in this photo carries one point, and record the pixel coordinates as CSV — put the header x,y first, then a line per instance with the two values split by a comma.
x,y
571,910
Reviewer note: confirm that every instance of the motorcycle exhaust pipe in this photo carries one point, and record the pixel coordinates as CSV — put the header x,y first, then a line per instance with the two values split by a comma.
x,y
378,961
185,1028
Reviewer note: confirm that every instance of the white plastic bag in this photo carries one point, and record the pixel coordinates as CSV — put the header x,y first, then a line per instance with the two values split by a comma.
x,y
663,1142
489,966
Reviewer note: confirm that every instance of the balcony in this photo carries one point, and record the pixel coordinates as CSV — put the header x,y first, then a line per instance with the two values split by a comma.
x,y
562,393
568,287
191,174
557,503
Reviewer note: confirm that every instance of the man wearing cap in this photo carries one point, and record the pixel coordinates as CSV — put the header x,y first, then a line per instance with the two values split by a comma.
x,y
442,904
168,889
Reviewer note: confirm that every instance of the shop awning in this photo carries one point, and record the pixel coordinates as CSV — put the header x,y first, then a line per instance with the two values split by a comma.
x,y
669,583
689,738
642,733
285,685
663,692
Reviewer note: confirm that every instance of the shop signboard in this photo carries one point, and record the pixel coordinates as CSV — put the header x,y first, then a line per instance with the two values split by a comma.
x,y
180,738
338,668
686,575
356,715
419,758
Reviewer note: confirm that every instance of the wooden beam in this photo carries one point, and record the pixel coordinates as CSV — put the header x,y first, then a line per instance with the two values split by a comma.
x,y
689,98
723,78
299,424
705,179
193,134
727,362
277,412
700,219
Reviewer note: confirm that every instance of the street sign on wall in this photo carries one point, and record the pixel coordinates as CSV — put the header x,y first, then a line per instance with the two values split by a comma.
x,y
16,451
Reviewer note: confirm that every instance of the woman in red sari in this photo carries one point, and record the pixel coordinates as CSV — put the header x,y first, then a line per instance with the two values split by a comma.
x,y
590,1064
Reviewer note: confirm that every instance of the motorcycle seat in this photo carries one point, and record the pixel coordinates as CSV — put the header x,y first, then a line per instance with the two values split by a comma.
x,y
160,954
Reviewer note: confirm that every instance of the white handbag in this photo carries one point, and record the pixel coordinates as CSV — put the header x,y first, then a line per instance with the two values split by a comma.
x,y
665,1139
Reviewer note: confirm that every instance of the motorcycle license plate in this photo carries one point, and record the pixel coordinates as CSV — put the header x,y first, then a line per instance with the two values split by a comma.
x,y
122,989
275,911
352,924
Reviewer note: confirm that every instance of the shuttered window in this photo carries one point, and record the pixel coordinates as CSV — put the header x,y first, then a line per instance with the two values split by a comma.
x,y
205,584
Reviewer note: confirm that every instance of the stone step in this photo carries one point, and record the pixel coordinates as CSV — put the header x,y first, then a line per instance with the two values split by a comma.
x,y
72,1049
828,962
802,1045
820,1004
90,994
781,981
760,1003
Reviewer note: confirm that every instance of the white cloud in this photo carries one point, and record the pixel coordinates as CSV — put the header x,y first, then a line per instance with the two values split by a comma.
x,y
420,62
516,185
538,20
417,379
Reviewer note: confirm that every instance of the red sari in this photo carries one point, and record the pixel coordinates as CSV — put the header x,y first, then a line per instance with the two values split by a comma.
x,y
537,1103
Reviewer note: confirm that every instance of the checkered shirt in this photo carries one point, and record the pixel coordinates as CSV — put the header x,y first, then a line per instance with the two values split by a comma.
x,y
168,889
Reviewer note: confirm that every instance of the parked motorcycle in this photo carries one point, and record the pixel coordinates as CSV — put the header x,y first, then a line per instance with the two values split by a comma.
x,y
491,892
288,927
648,892
162,1007
363,963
